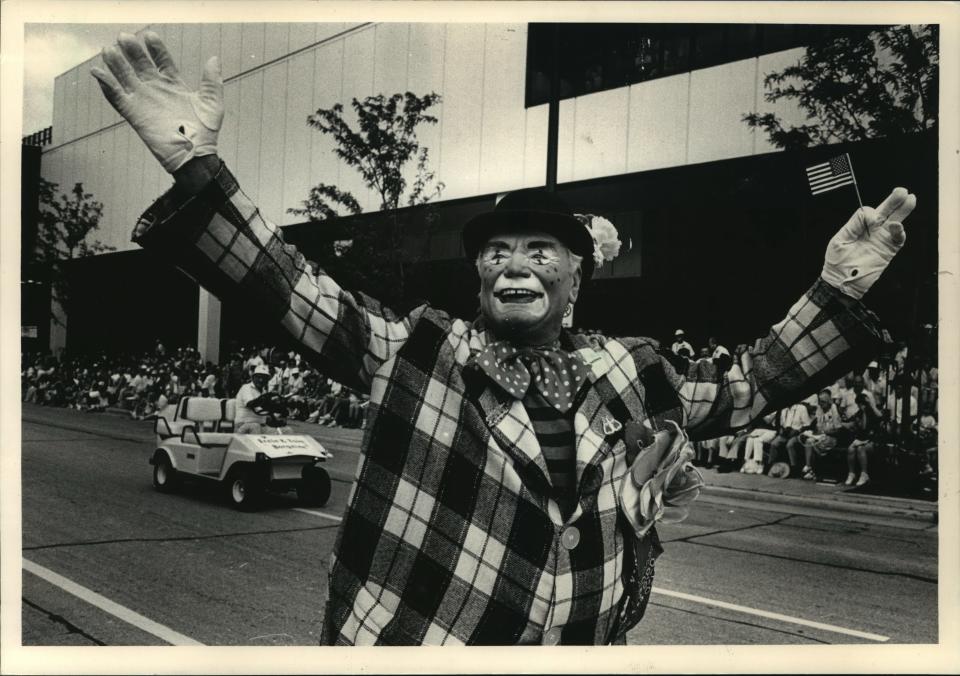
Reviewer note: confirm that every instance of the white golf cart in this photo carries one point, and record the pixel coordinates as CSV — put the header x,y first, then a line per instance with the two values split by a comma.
x,y
195,438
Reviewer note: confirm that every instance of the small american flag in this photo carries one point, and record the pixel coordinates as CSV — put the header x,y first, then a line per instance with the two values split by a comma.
x,y
834,173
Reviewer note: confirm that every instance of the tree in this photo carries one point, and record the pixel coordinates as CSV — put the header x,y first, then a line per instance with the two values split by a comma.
x,y
370,255
867,84
64,223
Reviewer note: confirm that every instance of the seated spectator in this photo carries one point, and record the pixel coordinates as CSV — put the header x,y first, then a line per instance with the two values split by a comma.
x,y
30,393
96,398
233,374
764,431
331,404
928,438
826,434
208,388
706,450
731,450
895,404
680,345
866,427
874,381
164,399
793,420
720,355
846,397
355,410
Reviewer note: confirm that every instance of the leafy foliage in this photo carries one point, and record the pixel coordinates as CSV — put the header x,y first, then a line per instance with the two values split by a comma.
x,y
880,83
65,221
64,224
369,255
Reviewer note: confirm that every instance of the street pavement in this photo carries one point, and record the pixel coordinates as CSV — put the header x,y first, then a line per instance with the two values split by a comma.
x,y
110,561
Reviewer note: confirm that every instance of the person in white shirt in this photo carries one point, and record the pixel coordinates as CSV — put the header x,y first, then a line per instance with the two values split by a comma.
x,y
793,420
680,345
246,420
294,381
139,382
719,354
763,432
277,383
828,431
209,386
874,381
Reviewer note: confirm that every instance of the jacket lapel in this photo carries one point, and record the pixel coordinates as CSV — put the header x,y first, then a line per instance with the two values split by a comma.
x,y
508,421
600,414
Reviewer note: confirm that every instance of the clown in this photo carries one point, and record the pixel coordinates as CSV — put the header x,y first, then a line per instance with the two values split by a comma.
x,y
512,473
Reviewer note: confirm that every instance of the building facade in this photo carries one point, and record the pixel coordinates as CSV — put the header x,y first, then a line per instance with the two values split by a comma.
x,y
641,104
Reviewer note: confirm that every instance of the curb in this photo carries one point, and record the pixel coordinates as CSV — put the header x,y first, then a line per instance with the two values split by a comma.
x,y
919,512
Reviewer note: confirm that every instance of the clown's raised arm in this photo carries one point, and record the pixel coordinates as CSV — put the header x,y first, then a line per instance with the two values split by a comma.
x,y
826,333
210,229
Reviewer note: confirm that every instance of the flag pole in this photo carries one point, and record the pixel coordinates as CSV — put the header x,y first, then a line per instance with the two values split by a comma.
x,y
854,177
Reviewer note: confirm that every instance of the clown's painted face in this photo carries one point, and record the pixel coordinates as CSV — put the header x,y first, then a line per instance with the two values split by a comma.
x,y
526,282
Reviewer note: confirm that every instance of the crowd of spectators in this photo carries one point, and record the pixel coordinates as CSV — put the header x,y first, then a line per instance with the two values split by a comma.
x,y
859,417
145,383
853,419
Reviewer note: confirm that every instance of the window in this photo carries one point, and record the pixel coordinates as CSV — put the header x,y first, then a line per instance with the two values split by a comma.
x,y
595,57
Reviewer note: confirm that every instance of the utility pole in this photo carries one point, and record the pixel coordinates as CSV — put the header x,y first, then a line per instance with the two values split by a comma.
x,y
553,110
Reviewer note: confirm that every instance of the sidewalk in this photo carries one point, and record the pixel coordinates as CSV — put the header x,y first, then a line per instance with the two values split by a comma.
x,y
793,496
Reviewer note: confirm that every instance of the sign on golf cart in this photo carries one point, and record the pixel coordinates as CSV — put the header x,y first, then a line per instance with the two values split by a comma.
x,y
280,443
192,444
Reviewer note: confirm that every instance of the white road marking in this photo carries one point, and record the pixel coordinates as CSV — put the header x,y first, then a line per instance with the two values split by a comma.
x,y
129,616
772,616
324,515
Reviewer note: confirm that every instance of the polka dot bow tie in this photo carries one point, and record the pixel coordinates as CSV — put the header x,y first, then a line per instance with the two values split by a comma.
x,y
555,373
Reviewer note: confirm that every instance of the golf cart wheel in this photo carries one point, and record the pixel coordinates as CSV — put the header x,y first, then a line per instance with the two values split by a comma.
x,y
242,489
314,487
165,477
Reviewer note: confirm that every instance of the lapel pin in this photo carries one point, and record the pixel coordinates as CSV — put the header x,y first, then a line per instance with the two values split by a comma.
x,y
611,426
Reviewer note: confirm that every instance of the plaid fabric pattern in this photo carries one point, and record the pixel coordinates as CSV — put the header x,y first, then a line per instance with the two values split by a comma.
x,y
450,535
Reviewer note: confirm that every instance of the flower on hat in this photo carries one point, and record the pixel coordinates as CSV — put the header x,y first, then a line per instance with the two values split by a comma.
x,y
606,240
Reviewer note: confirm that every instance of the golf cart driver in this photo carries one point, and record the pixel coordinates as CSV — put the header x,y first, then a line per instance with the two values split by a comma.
x,y
254,403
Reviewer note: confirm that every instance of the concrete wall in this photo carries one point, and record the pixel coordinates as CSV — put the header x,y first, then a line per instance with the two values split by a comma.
x,y
486,141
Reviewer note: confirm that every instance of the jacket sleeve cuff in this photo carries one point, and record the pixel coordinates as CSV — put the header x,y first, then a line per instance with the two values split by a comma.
x,y
177,217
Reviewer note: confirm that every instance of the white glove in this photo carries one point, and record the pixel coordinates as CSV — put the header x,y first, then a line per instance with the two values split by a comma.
x,y
861,251
175,123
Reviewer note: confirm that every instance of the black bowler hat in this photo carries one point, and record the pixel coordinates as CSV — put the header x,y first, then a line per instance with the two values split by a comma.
x,y
531,209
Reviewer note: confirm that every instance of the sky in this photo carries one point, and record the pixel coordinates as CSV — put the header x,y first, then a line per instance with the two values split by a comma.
x,y
50,49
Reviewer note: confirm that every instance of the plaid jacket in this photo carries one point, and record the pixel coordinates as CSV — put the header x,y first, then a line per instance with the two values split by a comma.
x,y
449,536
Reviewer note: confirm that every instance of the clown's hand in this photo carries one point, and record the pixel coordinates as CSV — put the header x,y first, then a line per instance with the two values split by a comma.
x,y
176,123
662,482
861,251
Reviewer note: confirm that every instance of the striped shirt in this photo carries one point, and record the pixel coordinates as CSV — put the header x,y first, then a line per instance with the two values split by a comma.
x,y
555,435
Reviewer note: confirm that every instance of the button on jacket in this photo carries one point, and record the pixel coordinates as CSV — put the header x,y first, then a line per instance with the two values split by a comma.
x,y
450,535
